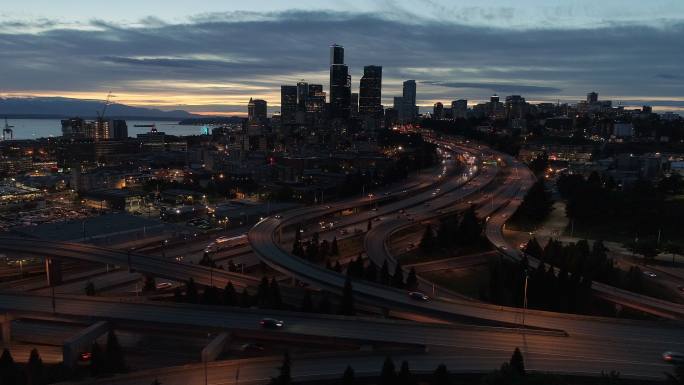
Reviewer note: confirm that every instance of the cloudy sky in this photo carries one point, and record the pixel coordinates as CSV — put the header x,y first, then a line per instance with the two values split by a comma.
x,y
211,56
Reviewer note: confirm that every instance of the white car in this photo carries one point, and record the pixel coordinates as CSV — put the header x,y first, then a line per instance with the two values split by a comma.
x,y
418,296
650,274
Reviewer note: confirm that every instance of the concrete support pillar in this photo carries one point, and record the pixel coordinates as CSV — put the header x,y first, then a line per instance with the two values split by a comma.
x,y
82,342
215,347
53,270
6,320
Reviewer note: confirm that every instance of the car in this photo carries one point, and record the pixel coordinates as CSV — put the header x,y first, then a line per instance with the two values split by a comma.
x,y
84,358
377,219
650,274
271,323
418,296
673,357
680,288
252,347
277,216
163,285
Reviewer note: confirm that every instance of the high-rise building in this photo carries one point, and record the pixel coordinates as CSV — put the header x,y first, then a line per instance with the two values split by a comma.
x,y
119,129
73,128
316,100
257,110
354,105
340,84
516,107
370,93
288,104
438,111
459,109
409,110
302,95
592,98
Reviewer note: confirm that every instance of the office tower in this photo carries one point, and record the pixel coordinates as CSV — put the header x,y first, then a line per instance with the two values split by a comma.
x,y
410,110
592,98
494,99
370,92
516,107
438,111
73,128
316,99
302,95
256,110
496,109
354,105
459,109
288,104
119,129
340,84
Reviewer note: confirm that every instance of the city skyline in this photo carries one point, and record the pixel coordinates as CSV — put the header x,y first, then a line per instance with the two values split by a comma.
x,y
195,62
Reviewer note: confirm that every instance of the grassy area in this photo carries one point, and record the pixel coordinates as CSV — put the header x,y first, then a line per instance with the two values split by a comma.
x,y
418,256
465,281
351,246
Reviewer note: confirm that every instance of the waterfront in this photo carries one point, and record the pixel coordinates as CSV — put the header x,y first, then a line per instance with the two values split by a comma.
x,y
46,128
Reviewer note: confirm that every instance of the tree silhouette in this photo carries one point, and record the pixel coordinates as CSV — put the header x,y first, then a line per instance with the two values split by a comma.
x,y
285,376
388,376
412,279
115,357
98,361
35,371
441,376
517,362
398,277
8,368
191,291
405,377
307,302
347,304
229,295
348,376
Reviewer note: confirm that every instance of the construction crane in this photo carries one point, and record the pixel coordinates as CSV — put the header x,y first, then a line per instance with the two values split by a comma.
x,y
7,131
101,115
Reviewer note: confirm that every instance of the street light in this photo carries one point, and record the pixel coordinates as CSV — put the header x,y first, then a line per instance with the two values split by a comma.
x,y
525,299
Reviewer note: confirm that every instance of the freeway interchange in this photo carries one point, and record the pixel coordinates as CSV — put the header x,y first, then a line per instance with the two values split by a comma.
x,y
478,337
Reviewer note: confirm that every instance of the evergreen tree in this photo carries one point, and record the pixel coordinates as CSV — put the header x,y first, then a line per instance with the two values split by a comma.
x,y
324,305
191,291
264,293
384,274
229,295
35,371
211,296
149,284
347,303
398,277
334,250
8,368
285,376
338,267
470,228
533,249
405,377
348,376
114,354
90,289
156,382
369,226
297,248
412,279
245,298
98,361
276,299
517,362
388,376
441,376
307,302
427,242
371,273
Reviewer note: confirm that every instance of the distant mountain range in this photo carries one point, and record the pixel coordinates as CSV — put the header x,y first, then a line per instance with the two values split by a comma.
x,y
56,107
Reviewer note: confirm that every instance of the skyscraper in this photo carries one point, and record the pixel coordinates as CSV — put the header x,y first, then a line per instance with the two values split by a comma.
x,y
370,92
256,110
592,98
354,105
119,129
438,111
459,109
302,95
340,84
316,100
410,111
288,104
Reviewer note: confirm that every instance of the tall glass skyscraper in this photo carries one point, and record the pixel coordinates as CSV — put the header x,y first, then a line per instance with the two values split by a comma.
x,y
288,104
340,84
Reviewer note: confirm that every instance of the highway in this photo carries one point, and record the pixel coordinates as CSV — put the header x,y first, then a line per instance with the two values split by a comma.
x,y
611,345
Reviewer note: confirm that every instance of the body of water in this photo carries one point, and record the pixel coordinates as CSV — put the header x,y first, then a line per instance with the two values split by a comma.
x,y
47,128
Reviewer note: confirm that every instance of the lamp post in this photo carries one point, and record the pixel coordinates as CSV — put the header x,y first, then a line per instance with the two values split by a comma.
x,y
524,299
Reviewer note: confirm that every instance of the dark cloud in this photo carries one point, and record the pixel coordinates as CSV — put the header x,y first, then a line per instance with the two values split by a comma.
x,y
274,48
497,87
